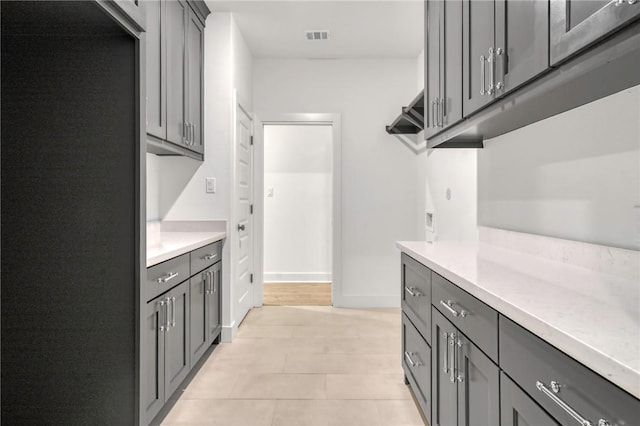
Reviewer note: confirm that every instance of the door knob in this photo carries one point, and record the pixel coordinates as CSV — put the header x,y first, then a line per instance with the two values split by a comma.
x,y
240,227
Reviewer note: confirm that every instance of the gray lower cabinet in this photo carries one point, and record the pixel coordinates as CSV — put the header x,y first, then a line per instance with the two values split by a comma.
x,y
466,382
416,363
416,295
518,409
166,335
576,24
205,310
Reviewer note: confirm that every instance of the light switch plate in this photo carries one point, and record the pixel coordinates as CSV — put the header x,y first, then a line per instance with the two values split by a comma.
x,y
211,185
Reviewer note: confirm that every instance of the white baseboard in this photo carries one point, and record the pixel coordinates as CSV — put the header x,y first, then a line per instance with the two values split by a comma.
x,y
297,277
228,333
391,301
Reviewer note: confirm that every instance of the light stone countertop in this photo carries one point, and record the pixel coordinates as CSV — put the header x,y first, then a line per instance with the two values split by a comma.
x,y
168,240
591,315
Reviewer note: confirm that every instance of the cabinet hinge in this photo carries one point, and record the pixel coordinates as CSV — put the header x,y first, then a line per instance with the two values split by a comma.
x,y
251,278
251,209
251,139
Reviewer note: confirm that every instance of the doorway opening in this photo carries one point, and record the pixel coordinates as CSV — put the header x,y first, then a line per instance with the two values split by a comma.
x,y
298,223
297,214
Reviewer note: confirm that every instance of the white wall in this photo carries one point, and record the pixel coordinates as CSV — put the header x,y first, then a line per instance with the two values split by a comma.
x,y
297,217
574,176
379,174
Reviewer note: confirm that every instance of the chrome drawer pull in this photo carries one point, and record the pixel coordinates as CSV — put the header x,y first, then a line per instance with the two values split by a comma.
x,y
169,276
452,361
166,314
556,388
412,291
210,256
448,305
407,355
173,310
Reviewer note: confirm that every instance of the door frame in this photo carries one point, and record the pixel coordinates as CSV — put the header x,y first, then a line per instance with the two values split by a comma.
x,y
332,119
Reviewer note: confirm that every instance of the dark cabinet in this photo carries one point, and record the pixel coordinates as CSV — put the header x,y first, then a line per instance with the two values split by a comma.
x,y
416,294
166,336
516,408
175,75
465,380
576,24
205,310
505,44
416,364
443,64
214,307
194,83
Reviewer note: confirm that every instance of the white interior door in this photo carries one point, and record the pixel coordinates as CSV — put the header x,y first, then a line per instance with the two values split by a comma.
x,y
243,282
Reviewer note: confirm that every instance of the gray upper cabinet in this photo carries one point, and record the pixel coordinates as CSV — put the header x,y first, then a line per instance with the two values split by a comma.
x,y
156,70
134,9
576,24
443,62
177,13
522,42
195,83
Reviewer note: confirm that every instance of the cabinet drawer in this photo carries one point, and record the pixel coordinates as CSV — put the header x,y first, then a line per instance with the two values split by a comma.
x,y
165,275
476,320
416,362
517,408
205,256
416,294
534,364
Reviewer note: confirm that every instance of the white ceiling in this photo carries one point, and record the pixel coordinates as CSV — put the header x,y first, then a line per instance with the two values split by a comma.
x,y
358,28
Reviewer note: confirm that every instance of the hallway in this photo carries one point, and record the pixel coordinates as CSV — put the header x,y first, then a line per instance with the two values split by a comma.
x,y
303,365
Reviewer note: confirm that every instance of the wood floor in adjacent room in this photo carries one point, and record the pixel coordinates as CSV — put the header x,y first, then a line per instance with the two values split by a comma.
x,y
297,294
301,366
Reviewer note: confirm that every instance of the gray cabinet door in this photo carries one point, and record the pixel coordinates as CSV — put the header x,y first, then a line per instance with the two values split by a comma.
x,y
478,385
416,363
451,62
522,42
443,382
198,305
576,24
153,396
177,338
432,66
156,70
213,315
478,38
518,409
176,18
195,78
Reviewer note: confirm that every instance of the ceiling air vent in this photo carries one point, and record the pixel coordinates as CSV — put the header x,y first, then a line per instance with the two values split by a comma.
x,y
317,35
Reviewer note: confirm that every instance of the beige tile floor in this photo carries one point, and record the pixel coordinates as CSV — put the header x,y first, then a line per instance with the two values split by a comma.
x,y
300,366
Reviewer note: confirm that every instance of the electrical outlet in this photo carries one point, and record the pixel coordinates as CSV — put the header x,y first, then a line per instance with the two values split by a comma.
x,y
211,185
429,221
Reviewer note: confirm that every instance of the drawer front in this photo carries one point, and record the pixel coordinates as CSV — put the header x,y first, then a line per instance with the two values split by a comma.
x,y
534,364
166,275
416,361
517,408
205,256
416,294
476,320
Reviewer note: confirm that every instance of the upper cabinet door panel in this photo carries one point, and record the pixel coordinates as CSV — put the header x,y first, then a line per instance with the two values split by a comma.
x,y
432,65
451,54
575,24
195,52
177,12
478,39
156,70
522,35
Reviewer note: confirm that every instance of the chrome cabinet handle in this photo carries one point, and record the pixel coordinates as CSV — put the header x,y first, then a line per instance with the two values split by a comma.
x,y
206,282
173,312
443,111
162,326
209,256
482,61
556,388
167,319
412,291
191,134
445,336
213,282
491,63
433,113
413,363
193,140
169,276
459,377
499,52
448,305
452,360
